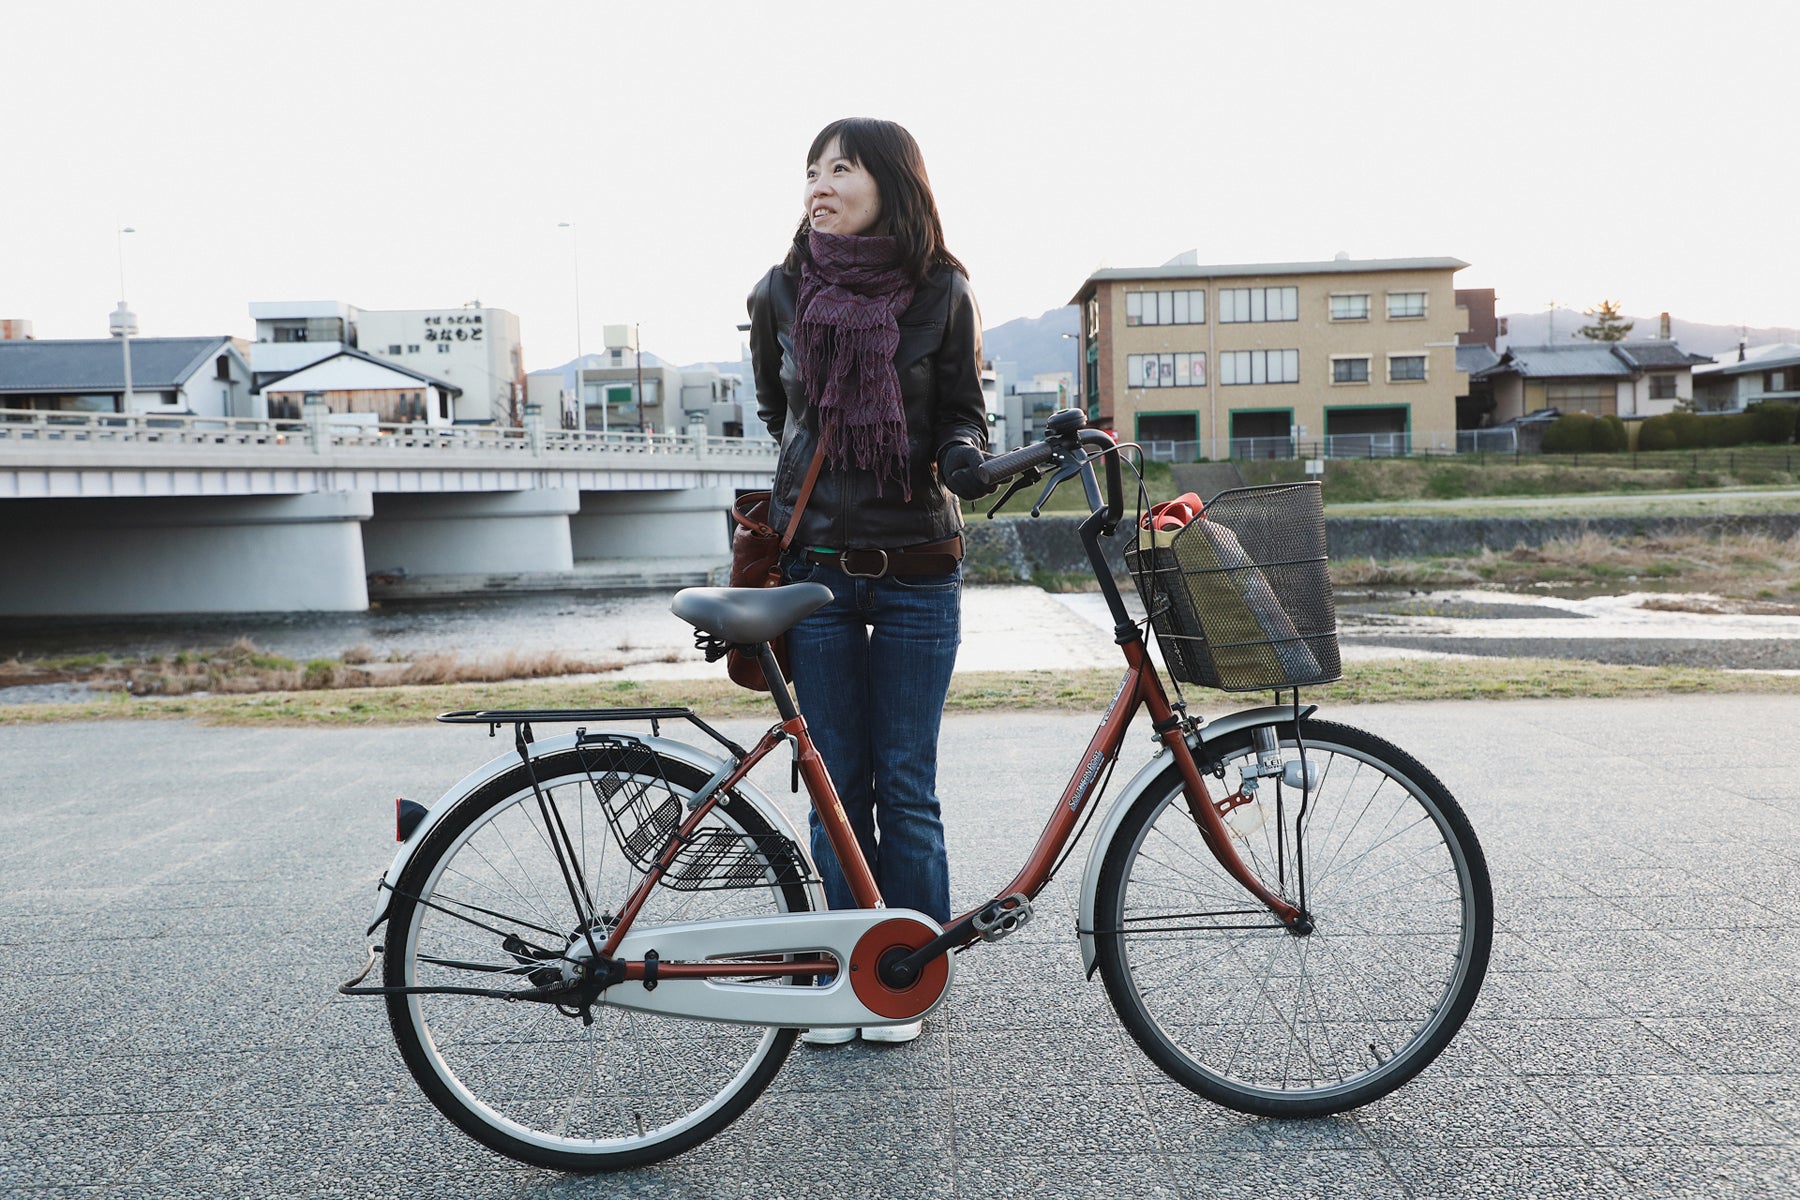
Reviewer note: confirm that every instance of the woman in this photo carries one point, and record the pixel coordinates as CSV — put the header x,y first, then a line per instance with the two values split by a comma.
x,y
866,340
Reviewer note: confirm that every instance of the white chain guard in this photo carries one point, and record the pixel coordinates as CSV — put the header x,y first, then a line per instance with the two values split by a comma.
x,y
775,1003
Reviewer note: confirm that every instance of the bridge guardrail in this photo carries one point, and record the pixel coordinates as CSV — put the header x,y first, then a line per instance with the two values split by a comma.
x,y
49,430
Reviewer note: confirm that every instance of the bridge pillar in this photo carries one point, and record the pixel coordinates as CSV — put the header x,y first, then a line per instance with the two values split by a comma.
x,y
692,523
233,554
471,533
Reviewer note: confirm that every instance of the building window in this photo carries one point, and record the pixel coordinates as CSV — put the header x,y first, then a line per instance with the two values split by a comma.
x,y
1662,387
1258,304
1165,308
1579,397
1350,370
1238,367
1405,306
412,348
443,347
394,349
1776,381
1165,370
1406,368
1350,306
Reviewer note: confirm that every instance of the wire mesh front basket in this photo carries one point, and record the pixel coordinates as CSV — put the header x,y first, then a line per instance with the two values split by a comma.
x,y
643,810
1240,599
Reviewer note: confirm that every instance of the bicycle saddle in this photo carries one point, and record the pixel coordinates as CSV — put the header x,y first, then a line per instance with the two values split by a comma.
x,y
745,616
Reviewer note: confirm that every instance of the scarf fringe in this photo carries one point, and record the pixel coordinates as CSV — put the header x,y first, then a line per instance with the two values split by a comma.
x,y
846,331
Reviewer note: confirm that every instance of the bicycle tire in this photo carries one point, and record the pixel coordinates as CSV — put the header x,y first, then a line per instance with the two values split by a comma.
x,y
1253,1017
530,1080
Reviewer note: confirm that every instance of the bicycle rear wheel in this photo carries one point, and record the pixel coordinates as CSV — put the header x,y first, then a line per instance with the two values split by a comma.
x,y
486,904
1227,1001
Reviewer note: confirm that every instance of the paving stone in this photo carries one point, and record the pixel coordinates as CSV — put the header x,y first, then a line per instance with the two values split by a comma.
x,y
1302,1174
174,1030
1570,1172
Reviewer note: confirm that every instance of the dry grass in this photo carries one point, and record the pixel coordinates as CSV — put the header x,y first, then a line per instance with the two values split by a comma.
x,y
244,668
1409,680
1747,568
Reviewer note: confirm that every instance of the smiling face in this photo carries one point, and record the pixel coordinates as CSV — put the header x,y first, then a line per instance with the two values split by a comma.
x,y
841,197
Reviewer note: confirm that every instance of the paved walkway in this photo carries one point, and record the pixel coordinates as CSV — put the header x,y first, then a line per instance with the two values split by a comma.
x,y
179,904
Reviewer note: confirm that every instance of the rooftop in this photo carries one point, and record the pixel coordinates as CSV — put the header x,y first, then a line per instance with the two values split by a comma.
x,y
273,384
1575,360
98,364
1183,267
1756,358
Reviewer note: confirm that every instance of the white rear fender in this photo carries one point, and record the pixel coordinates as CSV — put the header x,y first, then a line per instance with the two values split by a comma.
x,y
1212,731
491,770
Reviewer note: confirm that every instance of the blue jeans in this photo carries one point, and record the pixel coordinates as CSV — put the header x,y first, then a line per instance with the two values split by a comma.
x,y
871,670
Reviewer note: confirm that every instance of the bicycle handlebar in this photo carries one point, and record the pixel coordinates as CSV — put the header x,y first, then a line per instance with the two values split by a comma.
x,y
1067,435
1002,467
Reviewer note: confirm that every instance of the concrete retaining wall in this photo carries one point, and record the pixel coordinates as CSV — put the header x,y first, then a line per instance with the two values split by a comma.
x,y
1019,547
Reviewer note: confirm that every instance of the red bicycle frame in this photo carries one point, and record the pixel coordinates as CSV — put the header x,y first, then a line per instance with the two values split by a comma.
x,y
1140,687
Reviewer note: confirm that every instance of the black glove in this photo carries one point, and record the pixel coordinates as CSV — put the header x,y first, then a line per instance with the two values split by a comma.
x,y
957,467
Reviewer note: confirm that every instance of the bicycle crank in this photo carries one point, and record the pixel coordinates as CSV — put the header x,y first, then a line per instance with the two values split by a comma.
x,y
857,940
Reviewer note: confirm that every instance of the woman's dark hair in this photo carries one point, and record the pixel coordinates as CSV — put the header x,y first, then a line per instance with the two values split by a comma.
x,y
889,153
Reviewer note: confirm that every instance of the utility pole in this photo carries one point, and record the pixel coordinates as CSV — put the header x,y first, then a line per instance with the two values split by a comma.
x,y
637,336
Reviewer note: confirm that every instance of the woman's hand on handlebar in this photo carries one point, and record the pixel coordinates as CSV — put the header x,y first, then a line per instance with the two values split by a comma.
x,y
961,470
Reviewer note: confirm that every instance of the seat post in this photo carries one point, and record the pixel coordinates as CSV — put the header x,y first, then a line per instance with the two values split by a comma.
x,y
778,687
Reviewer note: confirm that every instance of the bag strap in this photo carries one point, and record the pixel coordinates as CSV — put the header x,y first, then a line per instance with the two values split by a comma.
x,y
812,477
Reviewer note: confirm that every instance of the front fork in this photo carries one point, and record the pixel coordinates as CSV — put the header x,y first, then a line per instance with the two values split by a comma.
x,y
1206,813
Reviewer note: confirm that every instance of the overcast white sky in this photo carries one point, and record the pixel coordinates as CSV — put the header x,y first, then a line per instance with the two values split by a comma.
x,y
413,155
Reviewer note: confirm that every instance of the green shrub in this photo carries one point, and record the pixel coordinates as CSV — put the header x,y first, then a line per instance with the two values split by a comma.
x,y
1583,433
1694,431
1657,433
1772,421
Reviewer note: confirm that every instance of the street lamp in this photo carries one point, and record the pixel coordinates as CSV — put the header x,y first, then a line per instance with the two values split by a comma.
x,y
124,322
575,261
1079,399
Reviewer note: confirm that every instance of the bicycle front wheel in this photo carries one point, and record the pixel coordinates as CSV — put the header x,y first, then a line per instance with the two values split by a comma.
x,y
489,903
1228,1002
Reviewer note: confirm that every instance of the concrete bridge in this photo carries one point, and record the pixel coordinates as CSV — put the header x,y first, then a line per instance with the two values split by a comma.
x,y
104,513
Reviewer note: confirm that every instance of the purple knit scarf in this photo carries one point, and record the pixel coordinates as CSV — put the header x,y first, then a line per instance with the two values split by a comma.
x,y
846,330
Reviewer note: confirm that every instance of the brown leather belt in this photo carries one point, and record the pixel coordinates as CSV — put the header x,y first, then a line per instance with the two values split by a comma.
x,y
931,558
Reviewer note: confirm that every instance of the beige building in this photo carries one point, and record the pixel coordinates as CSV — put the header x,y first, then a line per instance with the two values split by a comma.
x,y
1217,361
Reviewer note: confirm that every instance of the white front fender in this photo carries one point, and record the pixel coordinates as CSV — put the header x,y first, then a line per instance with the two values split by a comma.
x,y
1247,718
499,765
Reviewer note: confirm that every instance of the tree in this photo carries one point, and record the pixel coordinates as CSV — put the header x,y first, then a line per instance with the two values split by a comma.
x,y
1608,325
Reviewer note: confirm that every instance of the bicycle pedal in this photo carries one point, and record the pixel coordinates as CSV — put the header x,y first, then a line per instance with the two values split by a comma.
x,y
1004,916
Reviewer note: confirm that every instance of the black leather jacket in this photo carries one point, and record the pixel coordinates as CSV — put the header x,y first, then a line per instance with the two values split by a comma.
x,y
939,363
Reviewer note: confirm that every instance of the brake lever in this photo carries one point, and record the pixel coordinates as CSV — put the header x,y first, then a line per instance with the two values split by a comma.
x,y
1021,481
1070,468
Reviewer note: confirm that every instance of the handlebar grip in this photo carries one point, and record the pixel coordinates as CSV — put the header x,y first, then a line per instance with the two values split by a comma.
x,y
1016,462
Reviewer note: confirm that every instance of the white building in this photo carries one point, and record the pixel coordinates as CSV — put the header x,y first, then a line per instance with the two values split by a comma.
x,y
1746,376
476,350
361,389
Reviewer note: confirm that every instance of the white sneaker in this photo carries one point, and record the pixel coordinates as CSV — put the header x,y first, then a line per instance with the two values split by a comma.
x,y
828,1037
892,1034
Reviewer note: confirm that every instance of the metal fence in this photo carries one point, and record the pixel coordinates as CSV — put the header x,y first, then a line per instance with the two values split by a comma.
x,y
1348,445
317,433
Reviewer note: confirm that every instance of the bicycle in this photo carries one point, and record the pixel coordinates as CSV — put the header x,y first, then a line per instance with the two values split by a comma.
x,y
599,949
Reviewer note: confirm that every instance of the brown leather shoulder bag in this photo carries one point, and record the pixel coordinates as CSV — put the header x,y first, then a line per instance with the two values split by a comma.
x,y
756,551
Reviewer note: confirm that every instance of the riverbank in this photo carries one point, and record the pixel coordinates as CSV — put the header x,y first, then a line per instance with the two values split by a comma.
x,y
1382,680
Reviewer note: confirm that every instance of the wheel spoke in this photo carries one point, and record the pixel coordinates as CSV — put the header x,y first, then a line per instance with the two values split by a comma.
x,y
554,1086
1280,1024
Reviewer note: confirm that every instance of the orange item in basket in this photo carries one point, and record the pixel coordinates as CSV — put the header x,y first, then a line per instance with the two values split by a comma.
x,y
1171,515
